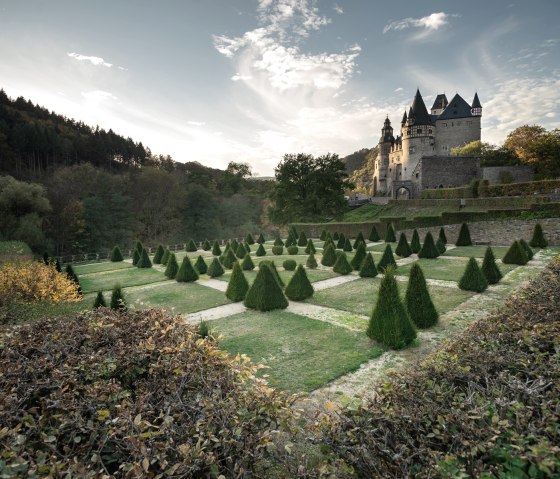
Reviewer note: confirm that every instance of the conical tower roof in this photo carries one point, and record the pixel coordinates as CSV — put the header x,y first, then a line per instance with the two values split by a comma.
x,y
419,110
404,118
476,102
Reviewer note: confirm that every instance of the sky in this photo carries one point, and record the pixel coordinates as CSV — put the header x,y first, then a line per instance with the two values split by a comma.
x,y
216,81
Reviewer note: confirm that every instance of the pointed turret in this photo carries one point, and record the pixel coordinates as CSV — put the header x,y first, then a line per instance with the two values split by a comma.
x,y
440,104
476,107
387,132
419,110
404,118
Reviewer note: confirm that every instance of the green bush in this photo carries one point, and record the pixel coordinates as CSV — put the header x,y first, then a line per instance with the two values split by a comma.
x,y
390,234
117,298
464,238
310,248
293,249
191,246
538,240
515,255
201,265
172,267
419,305
527,248
403,248
265,294
473,279
374,235
323,236
442,236
261,239
116,255
293,232
249,239
57,265
359,257
216,250
135,257
215,269
261,251
139,246
160,251
341,241
247,264
329,256
278,242
440,246
302,240
299,287
415,245
228,258
289,265
489,268
387,260
389,323
342,266
347,246
144,261
165,257
234,245
99,301
359,239
238,285
206,246
186,273
290,241
241,251
73,277
429,249
368,269
272,266
277,250
203,329
247,247
311,262
336,236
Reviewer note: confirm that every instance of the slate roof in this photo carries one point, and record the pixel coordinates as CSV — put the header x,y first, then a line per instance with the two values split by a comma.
x,y
420,113
457,108
440,102
404,118
476,102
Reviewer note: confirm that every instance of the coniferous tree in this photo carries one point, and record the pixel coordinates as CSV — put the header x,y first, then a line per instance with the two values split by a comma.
x,y
216,250
335,236
442,236
311,262
247,264
139,246
310,247
215,269
323,236
359,239
527,248
172,266
515,255
158,256
238,285
389,323
234,245
329,256
341,241
299,287
302,240
165,257
403,248
368,269
261,239
57,265
191,246
538,240
290,241
247,247
99,301
201,265
73,277
342,266
329,237
440,246
117,298
229,258
272,266
374,235
415,245
241,251
249,239
390,234
464,238
186,273
46,258
278,242
144,261
260,250
265,294
206,246
116,255
387,260
347,246
429,249
136,257
489,268
473,279
421,309
293,232
359,257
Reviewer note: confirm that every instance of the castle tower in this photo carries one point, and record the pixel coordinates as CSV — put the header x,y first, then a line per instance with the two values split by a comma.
x,y
440,104
382,161
476,107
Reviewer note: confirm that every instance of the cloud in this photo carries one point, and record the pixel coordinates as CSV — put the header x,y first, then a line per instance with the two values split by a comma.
x,y
338,9
238,77
97,61
196,123
399,89
98,95
429,23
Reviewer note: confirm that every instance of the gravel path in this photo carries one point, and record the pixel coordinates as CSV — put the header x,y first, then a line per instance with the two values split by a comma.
x,y
332,282
218,312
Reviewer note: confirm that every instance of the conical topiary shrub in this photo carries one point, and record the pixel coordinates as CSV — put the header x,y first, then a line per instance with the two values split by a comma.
x,y
249,239
489,268
328,242
419,305
515,255
335,236
117,298
261,251
241,251
299,287
99,301
359,257
272,266
389,323
135,257
206,246
144,261
403,248
139,246
390,234
329,256
473,279
229,258
158,256
247,264
538,240
165,257
323,236
247,247
186,273
342,266
429,249
415,245
311,262
265,294
293,232
238,285
191,246
464,238
359,239
527,248
278,242
442,236
200,265
347,246
387,260
341,241
234,244
261,239
116,255
302,240
440,246
216,250
172,266
215,269
310,247
368,269
374,235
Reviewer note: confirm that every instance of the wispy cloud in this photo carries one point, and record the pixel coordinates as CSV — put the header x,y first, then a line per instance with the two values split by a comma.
x,y
97,61
338,9
428,24
238,77
98,95
399,89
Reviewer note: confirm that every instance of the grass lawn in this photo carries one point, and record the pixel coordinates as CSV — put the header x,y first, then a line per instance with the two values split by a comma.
x,y
181,298
312,274
476,251
125,277
101,267
381,247
302,353
360,297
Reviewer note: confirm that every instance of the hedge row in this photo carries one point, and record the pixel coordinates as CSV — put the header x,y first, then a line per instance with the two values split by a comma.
x,y
509,189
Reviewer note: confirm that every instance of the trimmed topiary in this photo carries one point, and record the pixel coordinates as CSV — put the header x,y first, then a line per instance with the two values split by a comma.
x,y
323,236
302,240
440,246
289,265
415,245
328,242
261,239
234,245
247,247
515,255
144,261
389,323
277,250
165,257
216,250
347,246
442,236
293,249
341,241
139,246
473,279
335,236
290,241
191,246
247,264
293,232
135,257
390,234
311,262
272,266
186,273
527,249
172,266
489,268
99,301
374,235
116,255
359,239
299,287
261,251
538,240
206,246
342,266
229,258
158,256
419,305
329,256
310,247
215,269
249,239
387,260
464,238
241,251
278,242
117,298
200,265
69,270
403,248
238,285
265,294
359,257
429,249
368,269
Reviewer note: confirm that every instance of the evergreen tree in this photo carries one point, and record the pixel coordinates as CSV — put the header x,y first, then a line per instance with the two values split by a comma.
x,y
359,239
323,236
135,257
172,266
310,247
302,240
415,245
265,294
191,246
335,236
247,264
233,245
429,249
464,238
390,234
229,258
342,266
260,250
165,257
389,323
216,250
299,287
241,251
99,301
440,246
290,241
421,309
201,265
158,257
186,273
57,265
538,240
206,246
527,248
272,266
515,255
144,261
249,239
238,285
489,268
359,257
341,241
329,256
73,277
387,260
278,242
347,246
46,258
215,269
442,236
247,247
117,298
293,233
374,235
473,279
139,246
261,239
368,269
403,248
311,262
116,255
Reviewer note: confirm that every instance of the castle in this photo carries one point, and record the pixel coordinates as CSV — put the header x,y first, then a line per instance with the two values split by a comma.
x,y
419,157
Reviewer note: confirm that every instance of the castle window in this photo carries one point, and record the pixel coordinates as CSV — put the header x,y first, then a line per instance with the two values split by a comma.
x,y
419,131
411,149
430,131
390,169
416,175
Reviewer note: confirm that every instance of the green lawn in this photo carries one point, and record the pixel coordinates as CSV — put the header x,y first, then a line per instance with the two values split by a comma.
x,y
312,274
101,267
125,277
302,353
476,251
381,247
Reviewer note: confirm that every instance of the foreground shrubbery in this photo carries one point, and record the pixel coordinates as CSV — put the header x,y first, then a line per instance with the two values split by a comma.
x,y
132,394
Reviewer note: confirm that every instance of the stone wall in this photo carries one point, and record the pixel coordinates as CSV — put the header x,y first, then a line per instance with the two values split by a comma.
x,y
519,173
456,132
449,171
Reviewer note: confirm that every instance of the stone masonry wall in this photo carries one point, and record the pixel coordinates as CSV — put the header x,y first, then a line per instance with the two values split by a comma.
x,y
449,171
519,173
